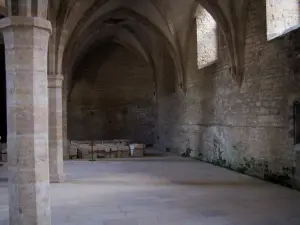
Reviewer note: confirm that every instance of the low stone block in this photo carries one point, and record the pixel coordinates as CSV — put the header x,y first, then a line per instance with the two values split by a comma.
x,y
72,151
3,152
123,148
139,152
125,154
114,154
4,157
101,153
139,146
103,149
85,150
124,142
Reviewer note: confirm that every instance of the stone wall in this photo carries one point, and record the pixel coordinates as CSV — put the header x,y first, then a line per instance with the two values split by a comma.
x,y
3,132
206,33
168,109
247,128
283,16
117,90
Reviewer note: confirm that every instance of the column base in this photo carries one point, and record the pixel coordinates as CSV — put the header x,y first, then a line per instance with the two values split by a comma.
x,y
58,178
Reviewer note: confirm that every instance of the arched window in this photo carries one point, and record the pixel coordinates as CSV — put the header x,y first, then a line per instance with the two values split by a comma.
x,y
282,17
206,38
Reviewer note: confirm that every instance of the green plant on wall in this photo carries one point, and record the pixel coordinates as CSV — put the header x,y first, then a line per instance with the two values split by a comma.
x,y
251,166
260,168
218,152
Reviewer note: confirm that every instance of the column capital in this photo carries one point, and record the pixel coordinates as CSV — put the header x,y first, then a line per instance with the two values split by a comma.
x,y
20,21
55,81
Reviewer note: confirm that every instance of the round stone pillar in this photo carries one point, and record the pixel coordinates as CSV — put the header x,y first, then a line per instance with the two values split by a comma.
x,y
26,46
55,128
65,126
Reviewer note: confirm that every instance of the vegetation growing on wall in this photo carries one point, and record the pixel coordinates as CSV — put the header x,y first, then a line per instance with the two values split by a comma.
x,y
250,166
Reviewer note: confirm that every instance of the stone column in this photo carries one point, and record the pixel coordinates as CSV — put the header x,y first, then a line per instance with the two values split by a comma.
x,y
55,129
26,46
65,125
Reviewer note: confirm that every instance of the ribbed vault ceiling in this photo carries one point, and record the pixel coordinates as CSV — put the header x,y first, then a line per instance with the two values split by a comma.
x,y
137,25
140,25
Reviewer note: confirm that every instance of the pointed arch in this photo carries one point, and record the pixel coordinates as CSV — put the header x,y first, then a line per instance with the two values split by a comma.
x,y
86,34
230,19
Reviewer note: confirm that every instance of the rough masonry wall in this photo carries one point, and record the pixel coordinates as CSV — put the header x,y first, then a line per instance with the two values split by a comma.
x,y
113,99
282,17
3,132
168,109
248,129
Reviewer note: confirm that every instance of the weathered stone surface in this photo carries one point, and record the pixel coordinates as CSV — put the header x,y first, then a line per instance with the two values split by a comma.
x,y
155,72
161,192
117,100
65,124
3,152
282,17
297,169
55,128
249,128
26,43
100,149
138,77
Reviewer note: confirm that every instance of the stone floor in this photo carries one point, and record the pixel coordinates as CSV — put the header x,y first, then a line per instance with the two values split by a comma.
x,y
164,191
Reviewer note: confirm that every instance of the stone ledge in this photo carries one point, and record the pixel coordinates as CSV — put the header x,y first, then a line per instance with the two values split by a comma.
x,y
55,81
25,21
279,35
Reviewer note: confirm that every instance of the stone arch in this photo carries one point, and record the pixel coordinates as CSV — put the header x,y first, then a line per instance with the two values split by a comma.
x,y
72,81
71,14
113,93
150,56
124,38
65,15
166,84
230,20
131,14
